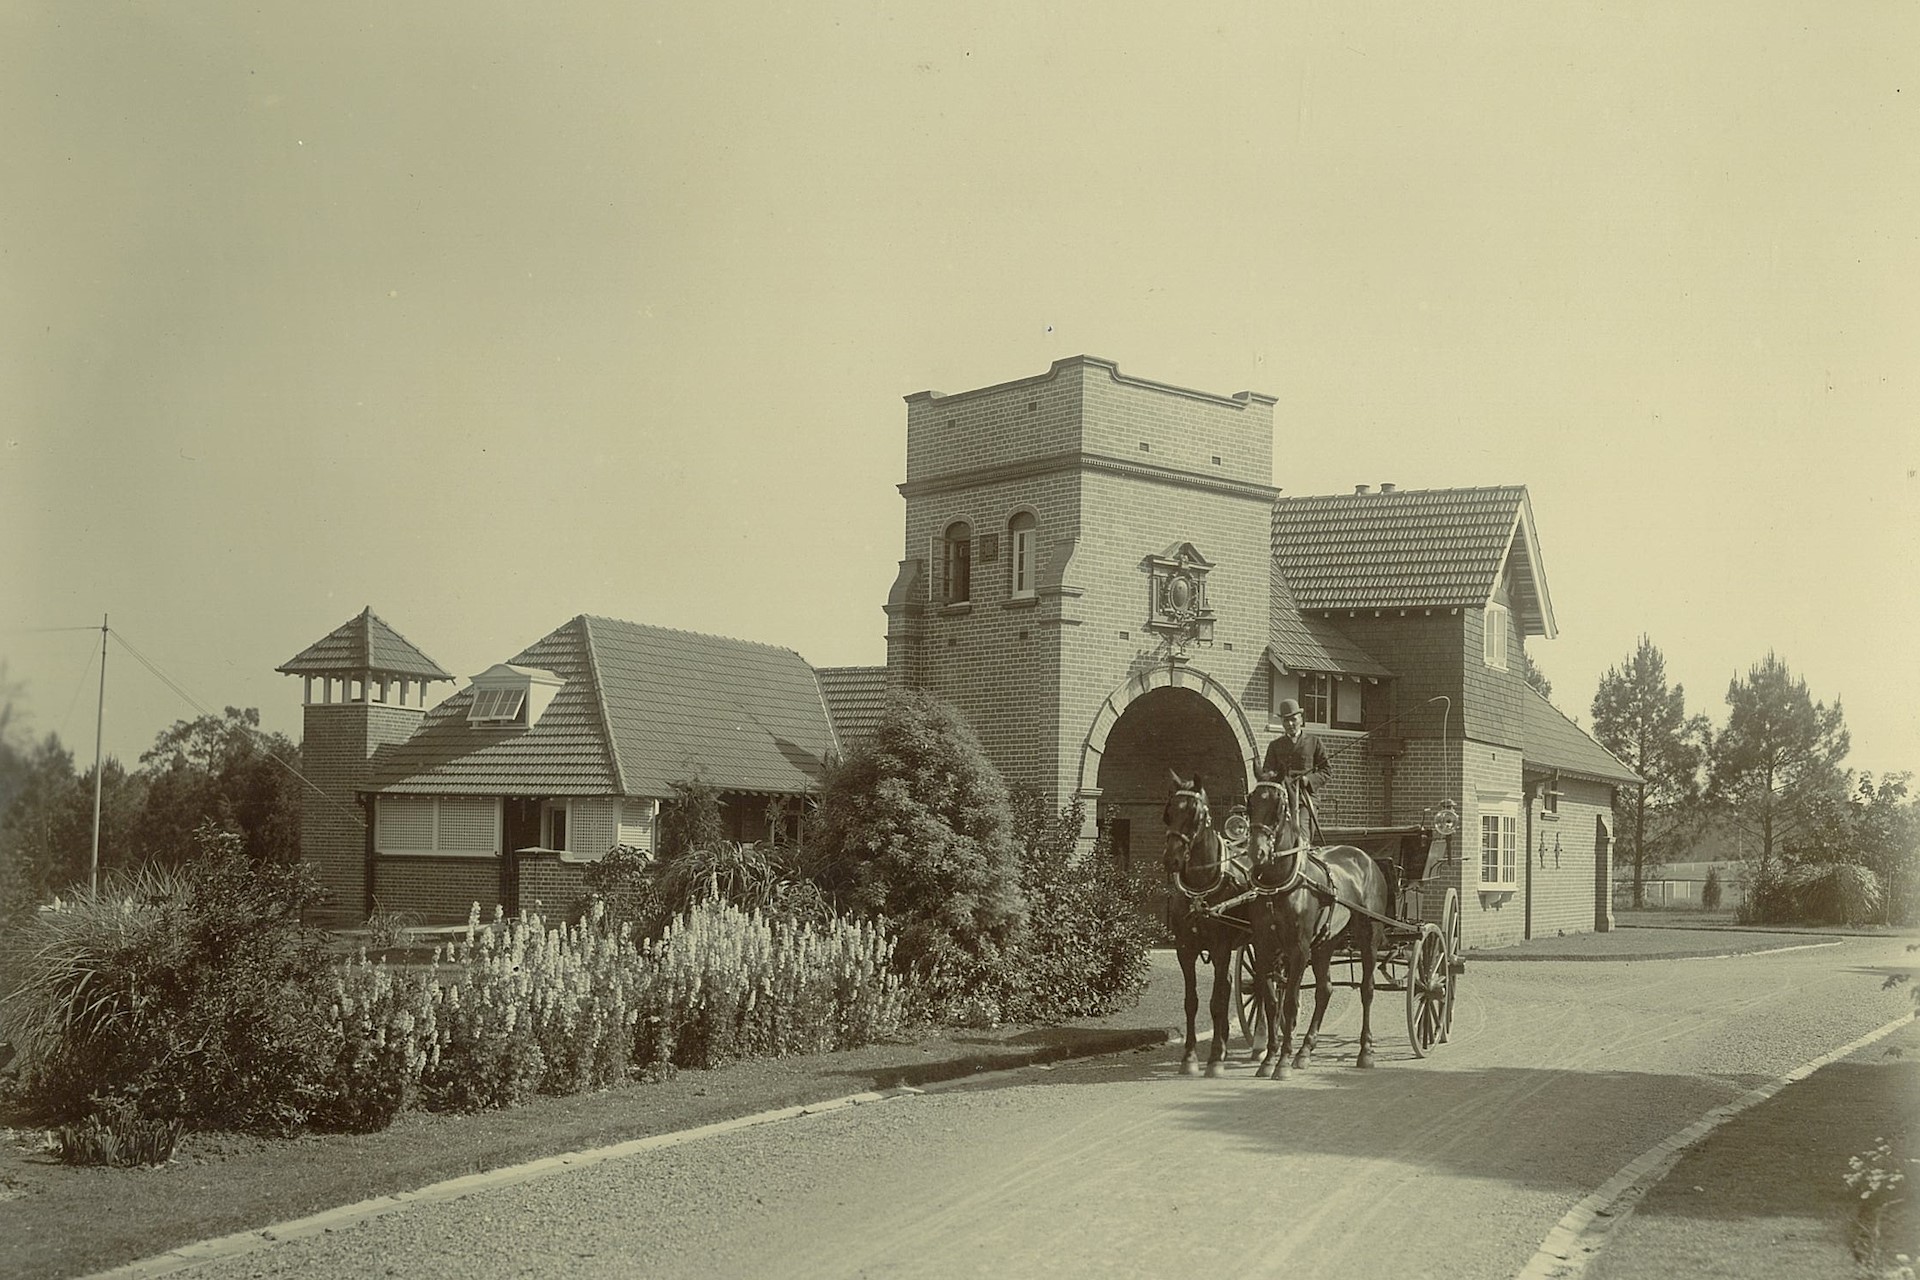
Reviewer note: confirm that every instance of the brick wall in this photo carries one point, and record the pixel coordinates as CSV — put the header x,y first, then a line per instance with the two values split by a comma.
x,y
439,890
337,740
1565,849
1114,470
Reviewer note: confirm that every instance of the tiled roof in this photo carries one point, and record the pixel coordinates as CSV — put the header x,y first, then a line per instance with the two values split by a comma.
x,y
642,707
1551,741
363,643
856,697
1413,548
1300,643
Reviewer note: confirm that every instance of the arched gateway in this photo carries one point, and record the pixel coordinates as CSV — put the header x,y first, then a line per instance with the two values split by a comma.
x,y
1169,717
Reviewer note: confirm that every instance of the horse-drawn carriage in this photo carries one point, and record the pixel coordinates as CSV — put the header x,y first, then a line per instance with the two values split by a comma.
x,y
1406,949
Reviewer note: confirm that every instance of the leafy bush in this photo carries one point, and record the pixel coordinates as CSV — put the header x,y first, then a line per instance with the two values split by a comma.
x,y
117,1135
1710,890
198,997
914,826
691,819
622,882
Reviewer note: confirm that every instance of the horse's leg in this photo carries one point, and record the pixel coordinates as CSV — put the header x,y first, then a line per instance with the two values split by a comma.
x,y
1369,946
1269,1007
1295,966
1322,997
1188,955
1218,1005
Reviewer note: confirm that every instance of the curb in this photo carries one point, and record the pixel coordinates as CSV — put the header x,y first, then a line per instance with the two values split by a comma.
x,y
1578,1237
907,1083
1644,955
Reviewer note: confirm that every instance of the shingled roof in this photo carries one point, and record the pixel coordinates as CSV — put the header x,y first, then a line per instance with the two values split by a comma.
x,y
1300,643
856,697
1412,548
641,708
1551,741
363,643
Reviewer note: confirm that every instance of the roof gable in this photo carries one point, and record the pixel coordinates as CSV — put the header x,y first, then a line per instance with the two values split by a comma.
x,y
1414,548
363,643
856,698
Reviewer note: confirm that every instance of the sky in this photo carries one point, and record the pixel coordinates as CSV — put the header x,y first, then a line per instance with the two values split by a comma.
x,y
489,314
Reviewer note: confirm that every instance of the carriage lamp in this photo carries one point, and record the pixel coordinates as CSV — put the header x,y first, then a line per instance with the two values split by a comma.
x,y
1446,820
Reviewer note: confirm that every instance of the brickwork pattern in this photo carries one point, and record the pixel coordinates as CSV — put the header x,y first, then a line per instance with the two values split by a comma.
x,y
337,739
437,890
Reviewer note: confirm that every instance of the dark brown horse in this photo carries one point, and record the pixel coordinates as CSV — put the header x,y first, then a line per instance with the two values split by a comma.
x,y
1303,915
1203,872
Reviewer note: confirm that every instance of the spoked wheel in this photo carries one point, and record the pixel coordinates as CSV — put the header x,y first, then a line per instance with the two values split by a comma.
x,y
1428,989
1246,1000
1450,930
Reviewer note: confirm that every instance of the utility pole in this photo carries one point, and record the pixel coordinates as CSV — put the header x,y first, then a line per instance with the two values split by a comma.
x,y
99,730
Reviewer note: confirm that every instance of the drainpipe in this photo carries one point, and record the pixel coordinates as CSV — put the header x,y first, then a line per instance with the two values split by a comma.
x,y
1527,851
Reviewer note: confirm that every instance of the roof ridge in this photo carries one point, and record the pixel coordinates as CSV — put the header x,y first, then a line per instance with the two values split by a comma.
x,y
1399,493
607,735
700,635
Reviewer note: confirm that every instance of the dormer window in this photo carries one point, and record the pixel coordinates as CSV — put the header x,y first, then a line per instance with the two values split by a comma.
x,y
497,706
506,696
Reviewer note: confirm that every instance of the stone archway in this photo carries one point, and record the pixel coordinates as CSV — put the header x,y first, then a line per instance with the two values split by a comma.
x,y
1161,719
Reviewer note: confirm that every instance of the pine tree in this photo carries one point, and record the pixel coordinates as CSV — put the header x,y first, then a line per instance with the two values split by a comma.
x,y
1645,723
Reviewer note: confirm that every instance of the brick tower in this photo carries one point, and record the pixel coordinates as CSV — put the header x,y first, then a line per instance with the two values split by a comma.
x,y
365,688
1087,577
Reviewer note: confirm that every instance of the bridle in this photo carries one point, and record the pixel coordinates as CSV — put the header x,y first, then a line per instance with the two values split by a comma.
x,y
1271,831
1203,834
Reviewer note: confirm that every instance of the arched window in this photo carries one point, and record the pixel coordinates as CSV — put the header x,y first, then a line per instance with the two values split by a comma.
x,y
1020,540
956,564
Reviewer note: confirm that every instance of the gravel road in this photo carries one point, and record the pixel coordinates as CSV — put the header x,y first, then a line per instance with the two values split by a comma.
x,y
1558,1074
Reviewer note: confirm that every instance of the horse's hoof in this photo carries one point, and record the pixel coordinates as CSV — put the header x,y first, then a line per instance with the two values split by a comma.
x,y
1302,1061
1188,1067
1263,1071
1281,1070
1214,1070
1365,1059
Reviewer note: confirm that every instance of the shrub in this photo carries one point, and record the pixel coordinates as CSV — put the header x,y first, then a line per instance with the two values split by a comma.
x,y
622,881
691,819
915,826
200,997
117,1135
1834,894
1710,890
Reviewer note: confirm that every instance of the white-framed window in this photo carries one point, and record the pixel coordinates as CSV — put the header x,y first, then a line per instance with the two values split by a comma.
x,y
956,563
639,824
1493,637
1316,698
460,826
1499,848
1020,539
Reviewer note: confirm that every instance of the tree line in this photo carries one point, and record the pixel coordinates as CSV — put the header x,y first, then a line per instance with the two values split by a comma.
x,y
1818,840
224,770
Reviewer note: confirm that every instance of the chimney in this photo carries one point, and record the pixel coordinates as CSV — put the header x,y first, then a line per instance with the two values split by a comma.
x,y
1388,488
1359,488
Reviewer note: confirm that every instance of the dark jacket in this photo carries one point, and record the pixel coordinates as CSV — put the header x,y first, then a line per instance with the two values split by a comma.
x,y
1305,759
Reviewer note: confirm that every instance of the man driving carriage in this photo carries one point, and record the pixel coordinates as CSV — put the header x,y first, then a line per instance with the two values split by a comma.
x,y
1298,761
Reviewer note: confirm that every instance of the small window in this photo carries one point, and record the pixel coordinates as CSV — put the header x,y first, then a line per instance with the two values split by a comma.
x,y
553,825
1316,699
1020,538
1346,703
496,706
1493,640
956,563
1499,850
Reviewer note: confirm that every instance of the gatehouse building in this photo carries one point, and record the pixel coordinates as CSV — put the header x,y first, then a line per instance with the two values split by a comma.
x,y
1099,573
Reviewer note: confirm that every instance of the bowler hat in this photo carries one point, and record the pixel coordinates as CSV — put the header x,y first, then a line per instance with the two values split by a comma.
x,y
1288,707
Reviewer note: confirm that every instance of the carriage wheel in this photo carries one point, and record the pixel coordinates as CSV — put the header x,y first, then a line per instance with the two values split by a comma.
x,y
1426,989
1450,930
1246,1000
